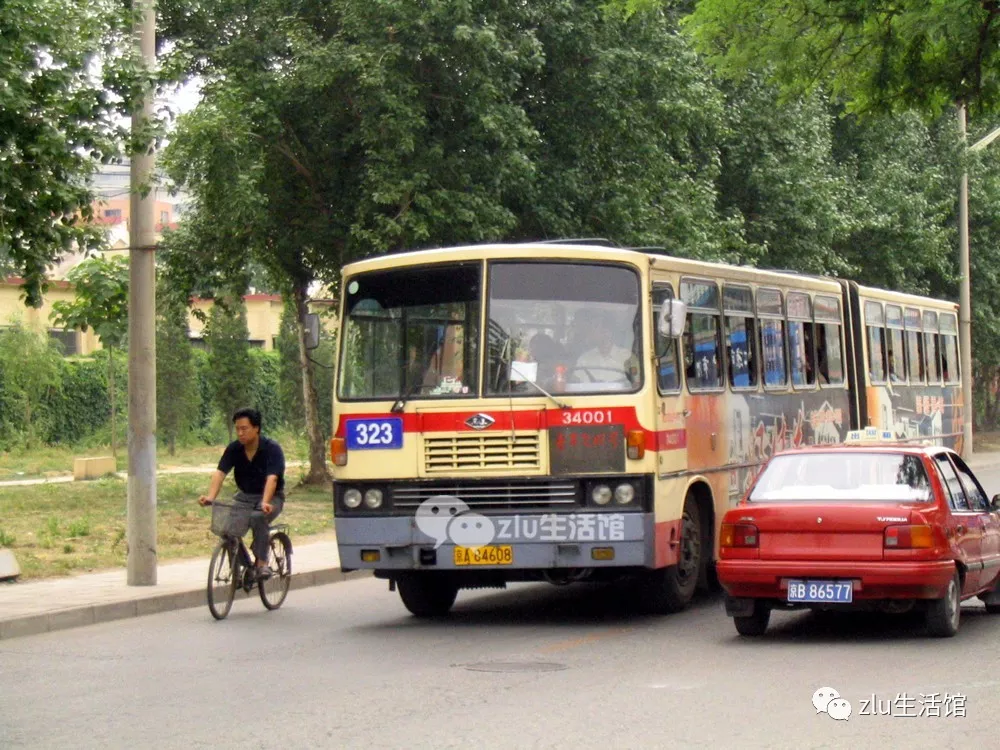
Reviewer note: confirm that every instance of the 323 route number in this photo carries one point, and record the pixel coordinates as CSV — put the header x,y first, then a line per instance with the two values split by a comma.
x,y
588,416
374,433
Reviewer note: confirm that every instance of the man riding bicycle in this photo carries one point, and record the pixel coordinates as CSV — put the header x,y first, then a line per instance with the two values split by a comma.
x,y
258,465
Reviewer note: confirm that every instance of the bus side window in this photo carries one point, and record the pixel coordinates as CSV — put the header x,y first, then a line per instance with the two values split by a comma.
x,y
874,319
741,332
931,349
800,339
914,347
703,350
829,351
668,375
894,340
830,360
772,333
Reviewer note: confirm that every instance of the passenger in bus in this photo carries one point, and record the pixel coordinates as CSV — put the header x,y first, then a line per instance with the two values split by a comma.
x,y
606,362
549,355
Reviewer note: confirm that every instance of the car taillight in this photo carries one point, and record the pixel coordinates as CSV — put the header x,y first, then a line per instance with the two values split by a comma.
x,y
739,535
908,537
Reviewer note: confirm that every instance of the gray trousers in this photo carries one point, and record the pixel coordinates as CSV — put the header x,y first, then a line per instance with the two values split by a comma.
x,y
260,522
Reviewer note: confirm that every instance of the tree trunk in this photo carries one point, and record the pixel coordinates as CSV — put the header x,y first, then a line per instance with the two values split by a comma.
x,y
317,450
111,390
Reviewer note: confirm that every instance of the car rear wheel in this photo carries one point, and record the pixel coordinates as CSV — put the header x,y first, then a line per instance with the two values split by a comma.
x,y
943,614
756,622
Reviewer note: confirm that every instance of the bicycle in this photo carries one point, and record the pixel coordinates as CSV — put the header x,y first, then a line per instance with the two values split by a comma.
x,y
231,567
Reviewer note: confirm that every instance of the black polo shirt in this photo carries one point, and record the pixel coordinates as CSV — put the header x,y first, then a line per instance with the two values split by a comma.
x,y
251,476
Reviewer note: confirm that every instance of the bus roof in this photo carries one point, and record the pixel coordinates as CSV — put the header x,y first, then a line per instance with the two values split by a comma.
x,y
590,249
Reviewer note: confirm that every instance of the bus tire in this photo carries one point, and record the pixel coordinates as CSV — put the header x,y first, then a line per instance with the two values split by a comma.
x,y
427,595
671,589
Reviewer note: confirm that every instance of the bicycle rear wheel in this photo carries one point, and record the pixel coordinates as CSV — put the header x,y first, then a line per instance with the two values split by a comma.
x,y
279,558
222,574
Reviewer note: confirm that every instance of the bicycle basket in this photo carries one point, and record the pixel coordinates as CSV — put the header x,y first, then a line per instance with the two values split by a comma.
x,y
230,519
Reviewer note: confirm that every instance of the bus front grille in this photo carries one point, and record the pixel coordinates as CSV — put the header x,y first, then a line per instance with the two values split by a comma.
x,y
491,494
480,452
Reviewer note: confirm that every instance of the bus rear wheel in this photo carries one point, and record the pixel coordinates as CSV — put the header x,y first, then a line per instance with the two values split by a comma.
x,y
426,594
671,589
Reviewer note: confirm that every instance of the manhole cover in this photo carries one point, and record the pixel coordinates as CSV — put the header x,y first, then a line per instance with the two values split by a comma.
x,y
514,666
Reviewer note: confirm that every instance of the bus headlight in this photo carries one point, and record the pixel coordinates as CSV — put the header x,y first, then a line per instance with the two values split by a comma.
x,y
601,494
352,498
624,493
373,498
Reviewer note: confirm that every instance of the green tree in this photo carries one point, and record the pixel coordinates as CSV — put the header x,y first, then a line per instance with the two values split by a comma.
x,y
290,370
228,357
30,364
178,400
875,55
101,288
57,121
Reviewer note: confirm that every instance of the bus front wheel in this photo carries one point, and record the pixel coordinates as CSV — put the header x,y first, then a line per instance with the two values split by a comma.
x,y
426,594
671,589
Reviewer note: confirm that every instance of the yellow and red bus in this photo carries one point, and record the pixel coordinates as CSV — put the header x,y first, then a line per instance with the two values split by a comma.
x,y
568,411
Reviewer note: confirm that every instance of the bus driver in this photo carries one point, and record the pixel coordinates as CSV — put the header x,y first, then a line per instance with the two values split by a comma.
x,y
606,362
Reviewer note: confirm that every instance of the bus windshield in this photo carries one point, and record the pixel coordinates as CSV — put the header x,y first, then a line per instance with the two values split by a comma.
x,y
567,327
411,333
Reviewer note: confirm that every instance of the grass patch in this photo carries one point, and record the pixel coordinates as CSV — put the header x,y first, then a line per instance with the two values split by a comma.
x,y
61,529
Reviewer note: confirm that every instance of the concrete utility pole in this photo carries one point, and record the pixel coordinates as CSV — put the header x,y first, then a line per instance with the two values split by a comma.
x,y
142,331
965,294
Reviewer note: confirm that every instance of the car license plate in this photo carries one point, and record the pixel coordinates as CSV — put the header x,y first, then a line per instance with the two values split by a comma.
x,y
492,555
836,592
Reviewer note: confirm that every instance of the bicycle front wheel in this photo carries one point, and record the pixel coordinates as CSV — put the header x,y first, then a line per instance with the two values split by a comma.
x,y
222,572
279,558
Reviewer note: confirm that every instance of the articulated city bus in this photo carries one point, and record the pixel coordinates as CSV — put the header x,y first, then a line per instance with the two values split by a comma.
x,y
570,412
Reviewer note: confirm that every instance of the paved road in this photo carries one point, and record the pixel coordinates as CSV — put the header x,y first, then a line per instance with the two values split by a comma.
x,y
533,666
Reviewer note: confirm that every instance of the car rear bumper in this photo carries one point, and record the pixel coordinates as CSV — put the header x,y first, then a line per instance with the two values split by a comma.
x,y
765,579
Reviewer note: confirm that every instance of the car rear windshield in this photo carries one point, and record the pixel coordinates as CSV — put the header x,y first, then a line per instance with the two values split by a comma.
x,y
891,477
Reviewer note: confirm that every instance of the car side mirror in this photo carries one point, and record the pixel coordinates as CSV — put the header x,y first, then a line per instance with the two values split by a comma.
x,y
995,504
672,317
312,331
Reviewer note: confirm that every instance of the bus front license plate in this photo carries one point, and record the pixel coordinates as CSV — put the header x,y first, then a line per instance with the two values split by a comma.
x,y
492,555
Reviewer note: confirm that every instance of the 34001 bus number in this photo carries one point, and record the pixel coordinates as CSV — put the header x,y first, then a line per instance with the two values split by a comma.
x,y
588,416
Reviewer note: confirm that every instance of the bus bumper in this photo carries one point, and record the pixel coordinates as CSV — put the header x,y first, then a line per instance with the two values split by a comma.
x,y
504,543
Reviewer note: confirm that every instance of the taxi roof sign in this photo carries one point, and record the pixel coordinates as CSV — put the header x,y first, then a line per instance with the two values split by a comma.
x,y
869,435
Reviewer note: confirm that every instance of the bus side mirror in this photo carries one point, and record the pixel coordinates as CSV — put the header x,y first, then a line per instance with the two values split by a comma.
x,y
312,331
672,317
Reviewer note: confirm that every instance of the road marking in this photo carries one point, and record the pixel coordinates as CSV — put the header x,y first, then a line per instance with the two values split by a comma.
x,y
581,641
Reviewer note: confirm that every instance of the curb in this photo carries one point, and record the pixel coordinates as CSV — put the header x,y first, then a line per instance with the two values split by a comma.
x,y
93,614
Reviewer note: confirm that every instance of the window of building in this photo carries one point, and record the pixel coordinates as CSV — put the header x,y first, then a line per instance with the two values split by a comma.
x,y
703,361
112,213
66,339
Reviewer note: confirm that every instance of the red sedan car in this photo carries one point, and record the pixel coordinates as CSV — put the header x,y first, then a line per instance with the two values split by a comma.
x,y
886,527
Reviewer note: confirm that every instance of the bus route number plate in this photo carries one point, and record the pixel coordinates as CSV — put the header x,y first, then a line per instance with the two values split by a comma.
x,y
369,434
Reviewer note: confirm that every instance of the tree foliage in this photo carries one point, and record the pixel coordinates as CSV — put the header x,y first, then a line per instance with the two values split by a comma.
x,y
875,55
57,67
229,362
177,396
30,370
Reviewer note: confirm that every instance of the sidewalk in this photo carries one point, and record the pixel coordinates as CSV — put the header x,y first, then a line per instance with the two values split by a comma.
x,y
44,606
64,478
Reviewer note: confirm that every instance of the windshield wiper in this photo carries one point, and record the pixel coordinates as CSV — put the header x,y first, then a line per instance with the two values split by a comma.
x,y
401,401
